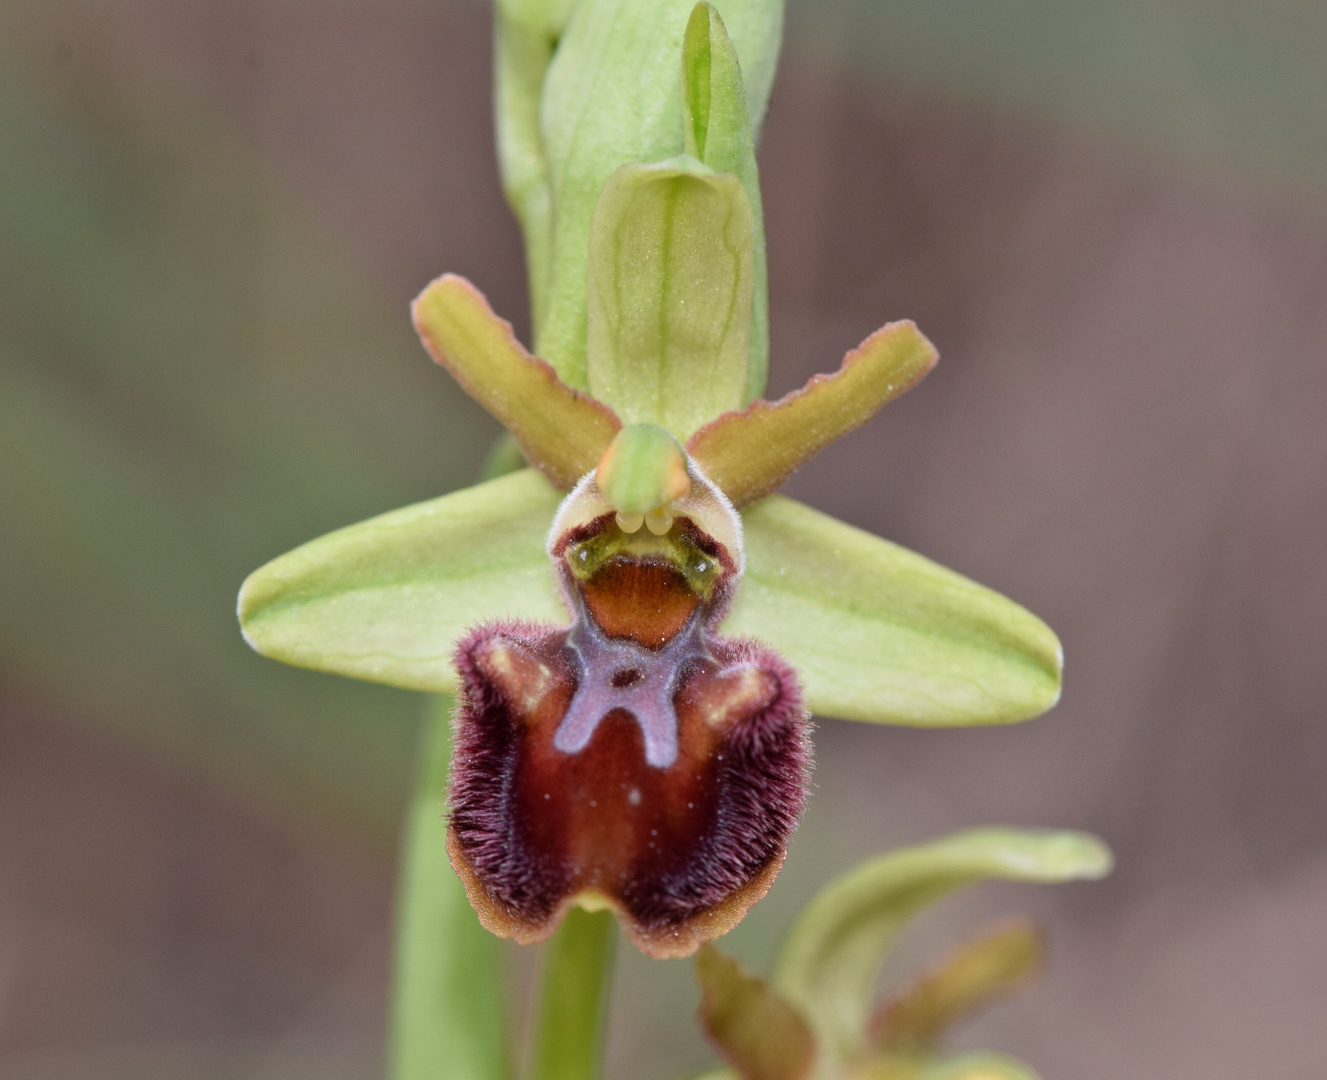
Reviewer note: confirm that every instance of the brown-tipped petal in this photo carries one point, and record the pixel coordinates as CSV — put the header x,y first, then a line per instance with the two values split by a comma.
x,y
563,433
749,453
760,1033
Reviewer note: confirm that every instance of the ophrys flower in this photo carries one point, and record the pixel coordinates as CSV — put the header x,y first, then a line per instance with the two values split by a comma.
x,y
593,657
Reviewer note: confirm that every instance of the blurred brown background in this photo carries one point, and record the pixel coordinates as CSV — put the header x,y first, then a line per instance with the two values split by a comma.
x,y
1111,220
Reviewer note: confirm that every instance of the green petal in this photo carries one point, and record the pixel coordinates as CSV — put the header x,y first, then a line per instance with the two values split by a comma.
x,y
879,633
613,95
670,294
978,1067
750,453
991,966
718,133
830,959
752,1025
561,432
387,599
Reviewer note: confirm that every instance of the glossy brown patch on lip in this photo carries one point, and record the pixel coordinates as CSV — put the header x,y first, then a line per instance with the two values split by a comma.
x,y
645,600
681,852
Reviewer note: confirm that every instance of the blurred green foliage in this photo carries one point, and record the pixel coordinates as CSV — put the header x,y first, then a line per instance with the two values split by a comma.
x,y
193,378
1238,87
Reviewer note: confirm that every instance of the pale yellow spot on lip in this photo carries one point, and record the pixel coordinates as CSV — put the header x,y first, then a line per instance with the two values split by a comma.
x,y
745,692
593,901
524,680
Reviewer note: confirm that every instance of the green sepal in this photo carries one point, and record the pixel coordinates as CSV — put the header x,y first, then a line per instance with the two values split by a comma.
x,y
669,290
387,599
613,95
830,959
717,131
753,1026
882,634
562,432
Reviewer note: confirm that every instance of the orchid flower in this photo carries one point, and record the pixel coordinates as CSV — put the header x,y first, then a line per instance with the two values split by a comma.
x,y
813,1018
637,627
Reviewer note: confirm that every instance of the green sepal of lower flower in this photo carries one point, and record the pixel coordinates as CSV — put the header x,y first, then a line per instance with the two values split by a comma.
x,y
611,95
876,632
669,286
827,968
830,959
753,1025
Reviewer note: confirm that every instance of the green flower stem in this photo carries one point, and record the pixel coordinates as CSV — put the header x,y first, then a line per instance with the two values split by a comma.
x,y
447,1008
577,971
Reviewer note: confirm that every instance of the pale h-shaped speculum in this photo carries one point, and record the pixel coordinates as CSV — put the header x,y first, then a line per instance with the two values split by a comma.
x,y
618,673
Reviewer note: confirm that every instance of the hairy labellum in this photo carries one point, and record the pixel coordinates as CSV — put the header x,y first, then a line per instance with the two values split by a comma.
x,y
634,759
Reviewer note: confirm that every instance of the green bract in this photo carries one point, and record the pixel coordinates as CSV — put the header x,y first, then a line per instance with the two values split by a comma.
x,y
611,95
717,130
826,971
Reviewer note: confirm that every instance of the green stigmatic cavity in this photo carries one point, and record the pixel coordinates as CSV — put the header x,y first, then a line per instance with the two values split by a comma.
x,y
679,547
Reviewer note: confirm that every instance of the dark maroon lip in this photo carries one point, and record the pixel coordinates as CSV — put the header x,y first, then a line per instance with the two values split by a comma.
x,y
666,778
